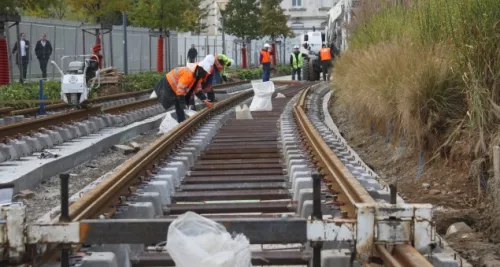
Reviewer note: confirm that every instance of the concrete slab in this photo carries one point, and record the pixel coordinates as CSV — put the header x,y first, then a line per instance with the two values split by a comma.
x,y
31,170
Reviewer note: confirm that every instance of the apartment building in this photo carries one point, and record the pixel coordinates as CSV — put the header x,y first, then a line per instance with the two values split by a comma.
x,y
306,14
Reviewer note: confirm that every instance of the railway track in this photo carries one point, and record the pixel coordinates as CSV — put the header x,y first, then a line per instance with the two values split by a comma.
x,y
35,135
10,115
282,179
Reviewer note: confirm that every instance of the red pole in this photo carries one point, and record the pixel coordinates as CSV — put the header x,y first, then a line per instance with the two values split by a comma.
x,y
159,55
273,57
244,57
4,62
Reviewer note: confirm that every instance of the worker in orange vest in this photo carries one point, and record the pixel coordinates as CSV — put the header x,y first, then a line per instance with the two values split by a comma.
x,y
265,60
179,84
325,56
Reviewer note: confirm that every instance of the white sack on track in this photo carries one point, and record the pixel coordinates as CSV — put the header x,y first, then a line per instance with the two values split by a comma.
x,y
167,124
280,95
153,95
195,241
263,92
243,113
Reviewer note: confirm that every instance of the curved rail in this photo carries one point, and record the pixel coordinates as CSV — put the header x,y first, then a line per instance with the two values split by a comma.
x,y
348,189
103,196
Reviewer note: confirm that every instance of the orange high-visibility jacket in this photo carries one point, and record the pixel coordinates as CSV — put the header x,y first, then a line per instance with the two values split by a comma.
x,y
265,56
325,54
182,79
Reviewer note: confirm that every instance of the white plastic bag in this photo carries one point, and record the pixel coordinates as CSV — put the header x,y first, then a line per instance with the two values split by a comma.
x,y
243,113
195,241
167,124
153,95
263,92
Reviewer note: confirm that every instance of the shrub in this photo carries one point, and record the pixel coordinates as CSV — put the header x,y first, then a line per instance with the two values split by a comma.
x,y
464,32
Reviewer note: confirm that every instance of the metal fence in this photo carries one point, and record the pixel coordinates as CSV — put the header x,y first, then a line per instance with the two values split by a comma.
x,y
68,38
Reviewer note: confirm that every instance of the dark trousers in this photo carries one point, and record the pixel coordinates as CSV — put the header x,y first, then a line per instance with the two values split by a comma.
x,y
24,67
168,98
325,65
266,71
179,111
296,71
191,60
43,67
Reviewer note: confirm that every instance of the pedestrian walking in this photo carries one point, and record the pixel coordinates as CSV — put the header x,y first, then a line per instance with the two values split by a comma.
x,y
192,54
296,61
265,60
23,48
43,51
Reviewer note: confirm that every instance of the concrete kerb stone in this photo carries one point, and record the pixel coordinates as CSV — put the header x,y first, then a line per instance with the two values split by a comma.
x,y
44,140
33,143
158,186
21,147
153,197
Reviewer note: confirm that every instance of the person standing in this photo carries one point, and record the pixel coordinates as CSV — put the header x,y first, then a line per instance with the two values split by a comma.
x,y
192,54
43,51
325,56
296,61
23,48
265,60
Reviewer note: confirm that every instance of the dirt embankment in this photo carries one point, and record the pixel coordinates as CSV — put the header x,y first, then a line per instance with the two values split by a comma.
x,y
446,185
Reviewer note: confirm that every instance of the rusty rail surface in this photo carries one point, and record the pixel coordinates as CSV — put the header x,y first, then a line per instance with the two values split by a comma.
x,y
29,126
101,199
34,110
348,189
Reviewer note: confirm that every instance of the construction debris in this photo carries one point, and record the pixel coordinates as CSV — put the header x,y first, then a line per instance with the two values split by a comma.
x,y
125,149
24,194
280,95
136,146
111,75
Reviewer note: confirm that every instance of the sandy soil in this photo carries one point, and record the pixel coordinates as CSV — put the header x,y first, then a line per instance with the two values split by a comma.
x,y
445,185
47,194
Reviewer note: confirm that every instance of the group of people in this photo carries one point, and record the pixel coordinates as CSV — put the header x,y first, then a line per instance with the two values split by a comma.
x,y
180,85
43,51
326,55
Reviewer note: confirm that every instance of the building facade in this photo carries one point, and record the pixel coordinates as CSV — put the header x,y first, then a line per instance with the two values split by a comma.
x,y
306,14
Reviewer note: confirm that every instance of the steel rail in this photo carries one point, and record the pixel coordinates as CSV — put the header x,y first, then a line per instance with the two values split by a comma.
x,y
349,189
34,110
102,198
28,126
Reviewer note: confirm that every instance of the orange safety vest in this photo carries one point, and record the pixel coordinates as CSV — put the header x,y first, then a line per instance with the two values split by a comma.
x,y
266,56
325,54
182,79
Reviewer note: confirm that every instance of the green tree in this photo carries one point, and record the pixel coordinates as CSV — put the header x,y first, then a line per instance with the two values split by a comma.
x,y
195,16
98,11
273,20
57,9
161,15
241,19
15,7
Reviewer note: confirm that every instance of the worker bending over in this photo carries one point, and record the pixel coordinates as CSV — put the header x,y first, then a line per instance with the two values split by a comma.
x,y
325,56
296,61
179,84
265,60
217,74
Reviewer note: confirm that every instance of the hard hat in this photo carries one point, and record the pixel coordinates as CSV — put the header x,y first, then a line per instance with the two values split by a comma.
x,y
210,59
295,47
232,62
206,65
266,45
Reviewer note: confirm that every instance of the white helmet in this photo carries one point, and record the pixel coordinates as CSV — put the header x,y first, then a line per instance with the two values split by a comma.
x,y
266,45
295,47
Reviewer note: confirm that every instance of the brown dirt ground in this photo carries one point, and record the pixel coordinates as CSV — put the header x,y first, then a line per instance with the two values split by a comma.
x,y
452,192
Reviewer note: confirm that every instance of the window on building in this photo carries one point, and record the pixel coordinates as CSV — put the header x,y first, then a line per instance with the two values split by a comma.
x,y
296,3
